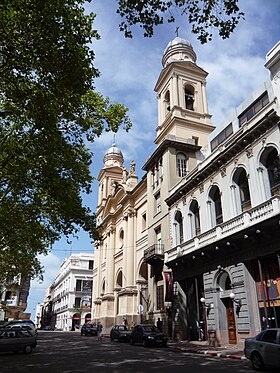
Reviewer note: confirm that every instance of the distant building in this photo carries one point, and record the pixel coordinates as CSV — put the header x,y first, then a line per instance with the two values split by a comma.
x,y
196,241
13,299
71,293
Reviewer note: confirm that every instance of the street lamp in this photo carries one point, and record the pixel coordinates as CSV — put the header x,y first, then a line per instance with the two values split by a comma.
x,y
208,306
238,303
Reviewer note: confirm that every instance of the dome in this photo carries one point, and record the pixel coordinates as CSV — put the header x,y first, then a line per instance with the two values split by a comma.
x,y
113,150
178,49
113,155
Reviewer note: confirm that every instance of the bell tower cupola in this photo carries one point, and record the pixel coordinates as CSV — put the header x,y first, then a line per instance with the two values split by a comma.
x,y
181,91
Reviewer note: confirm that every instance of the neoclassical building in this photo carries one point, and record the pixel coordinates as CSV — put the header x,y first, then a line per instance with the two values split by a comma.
x,y
225,224
195,242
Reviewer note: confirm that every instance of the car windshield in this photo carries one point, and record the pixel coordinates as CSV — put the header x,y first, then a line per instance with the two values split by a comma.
x,y
150,328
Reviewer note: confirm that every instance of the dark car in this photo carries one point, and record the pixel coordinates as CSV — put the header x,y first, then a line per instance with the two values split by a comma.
x,y
148,335
121,333
20,339
264,349
89,329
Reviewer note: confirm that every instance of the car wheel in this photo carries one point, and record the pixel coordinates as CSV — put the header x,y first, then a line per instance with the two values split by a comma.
x,y
145,343
257,361
27,349
112,339
164,344
131,341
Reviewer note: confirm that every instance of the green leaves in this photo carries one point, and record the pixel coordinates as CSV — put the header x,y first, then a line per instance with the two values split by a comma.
x,y
47,88
203,16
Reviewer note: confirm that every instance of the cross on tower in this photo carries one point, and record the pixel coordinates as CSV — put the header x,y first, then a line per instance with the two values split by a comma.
x,y
177,31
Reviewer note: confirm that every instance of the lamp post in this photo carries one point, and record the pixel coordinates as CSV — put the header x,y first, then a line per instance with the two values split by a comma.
x,y
238,303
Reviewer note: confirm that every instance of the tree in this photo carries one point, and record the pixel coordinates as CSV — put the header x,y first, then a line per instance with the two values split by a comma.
x,y
49,109
203,15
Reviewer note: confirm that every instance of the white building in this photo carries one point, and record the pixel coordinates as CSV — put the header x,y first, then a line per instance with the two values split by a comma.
x,y
72,292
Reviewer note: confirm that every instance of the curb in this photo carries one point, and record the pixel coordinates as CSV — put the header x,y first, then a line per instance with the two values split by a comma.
x,y
210,353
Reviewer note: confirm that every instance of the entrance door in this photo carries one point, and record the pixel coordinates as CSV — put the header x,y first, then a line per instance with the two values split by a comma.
x,y
231,322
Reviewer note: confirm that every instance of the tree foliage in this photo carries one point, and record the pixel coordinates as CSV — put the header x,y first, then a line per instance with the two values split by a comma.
x,y
202,15
49,110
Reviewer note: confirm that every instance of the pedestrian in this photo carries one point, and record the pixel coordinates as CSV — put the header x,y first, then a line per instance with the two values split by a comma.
x,y
124,321
159,324
132,325
99,330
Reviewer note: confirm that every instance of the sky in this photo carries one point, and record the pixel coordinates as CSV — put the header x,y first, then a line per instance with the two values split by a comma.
x,y
129,70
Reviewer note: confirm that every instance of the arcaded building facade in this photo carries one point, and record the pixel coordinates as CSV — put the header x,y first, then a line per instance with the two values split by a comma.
x,y
225,225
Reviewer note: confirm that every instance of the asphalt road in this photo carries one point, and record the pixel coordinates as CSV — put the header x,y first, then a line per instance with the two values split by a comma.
x,y
69,352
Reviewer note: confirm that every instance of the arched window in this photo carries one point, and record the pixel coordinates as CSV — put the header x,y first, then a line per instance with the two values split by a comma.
x,y
103,288
121,237
179,233
189,97
241,180
119,282
216,205
167,102
181,164
195,219
271,161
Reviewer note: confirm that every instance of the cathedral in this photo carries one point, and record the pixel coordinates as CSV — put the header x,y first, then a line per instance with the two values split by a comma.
x,y
195,242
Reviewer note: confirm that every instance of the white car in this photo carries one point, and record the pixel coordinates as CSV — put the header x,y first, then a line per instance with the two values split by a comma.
x,y
264,349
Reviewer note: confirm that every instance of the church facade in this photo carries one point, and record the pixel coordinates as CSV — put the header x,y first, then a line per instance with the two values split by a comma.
x,y
196,241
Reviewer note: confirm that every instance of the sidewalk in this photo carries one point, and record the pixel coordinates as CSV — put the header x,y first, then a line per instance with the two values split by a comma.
x,y
228,351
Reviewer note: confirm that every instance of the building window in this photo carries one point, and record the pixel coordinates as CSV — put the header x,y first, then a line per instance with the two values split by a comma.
x,y
90,264
253,109
189,97
121,238
157,203
167,102
144,221
181,165
271,175
195,219
159,291
241,180
77,303
158,236
221,137
78,285
273,168
216,206
179,233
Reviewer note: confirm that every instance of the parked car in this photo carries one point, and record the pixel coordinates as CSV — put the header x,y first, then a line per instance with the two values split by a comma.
x,y
121,333
148,335
89,329
20,324
264,349
17,340
48,327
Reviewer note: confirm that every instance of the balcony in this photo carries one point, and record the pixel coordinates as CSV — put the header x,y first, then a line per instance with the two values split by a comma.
x,y
250,220
154,253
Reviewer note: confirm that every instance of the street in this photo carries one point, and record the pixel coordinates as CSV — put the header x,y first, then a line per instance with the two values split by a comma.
x,y
69,352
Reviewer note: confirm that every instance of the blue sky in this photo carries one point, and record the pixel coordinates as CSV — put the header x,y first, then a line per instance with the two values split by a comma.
x,y
129,70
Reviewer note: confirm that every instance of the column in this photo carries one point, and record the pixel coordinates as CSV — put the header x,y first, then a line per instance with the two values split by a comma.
x,y
174,90
110,260
130,249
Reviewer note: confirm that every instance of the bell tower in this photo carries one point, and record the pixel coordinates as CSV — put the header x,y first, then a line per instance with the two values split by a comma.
x,y
181,91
